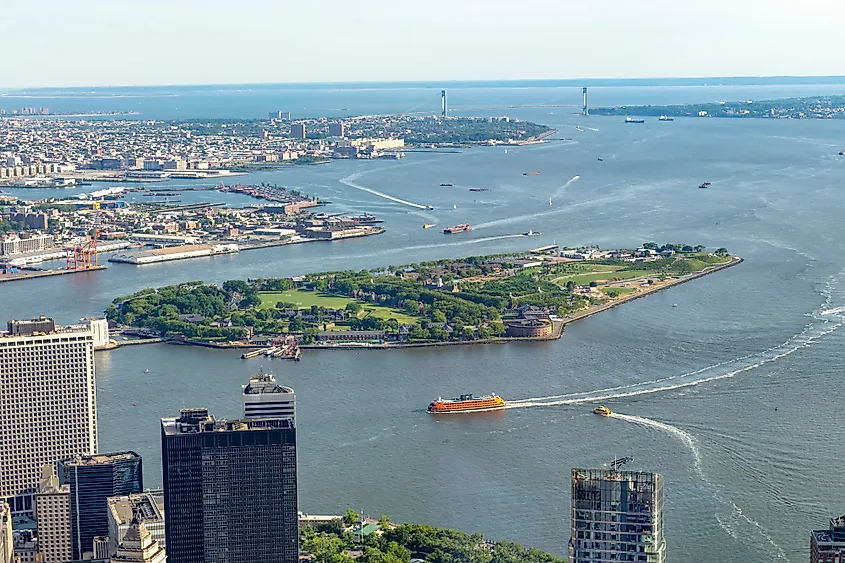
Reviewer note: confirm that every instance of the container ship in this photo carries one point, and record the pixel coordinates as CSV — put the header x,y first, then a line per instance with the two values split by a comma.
x,y
467,403
457,229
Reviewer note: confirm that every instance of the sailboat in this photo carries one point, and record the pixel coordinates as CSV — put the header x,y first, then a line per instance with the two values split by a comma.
x,y
550,201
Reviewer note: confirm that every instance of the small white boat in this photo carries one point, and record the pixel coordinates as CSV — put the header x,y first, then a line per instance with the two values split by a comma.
x,y
674,304
146,371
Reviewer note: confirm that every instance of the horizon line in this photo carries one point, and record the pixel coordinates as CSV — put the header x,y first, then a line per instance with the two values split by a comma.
x,y
602,81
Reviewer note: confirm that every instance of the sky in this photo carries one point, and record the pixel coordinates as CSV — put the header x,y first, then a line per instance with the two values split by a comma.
x,y
56,43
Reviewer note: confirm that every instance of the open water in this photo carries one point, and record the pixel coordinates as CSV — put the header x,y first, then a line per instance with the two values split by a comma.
x,y
734,395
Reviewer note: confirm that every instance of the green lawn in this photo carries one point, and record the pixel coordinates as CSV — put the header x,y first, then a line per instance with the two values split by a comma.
x,y
303,299
387,312
614,291
585,279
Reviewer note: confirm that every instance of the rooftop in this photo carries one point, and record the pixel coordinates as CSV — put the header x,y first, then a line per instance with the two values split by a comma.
x,y
264,383
192,421
149,504
100,459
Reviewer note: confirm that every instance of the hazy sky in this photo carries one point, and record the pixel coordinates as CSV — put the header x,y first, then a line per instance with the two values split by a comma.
x,y
139,42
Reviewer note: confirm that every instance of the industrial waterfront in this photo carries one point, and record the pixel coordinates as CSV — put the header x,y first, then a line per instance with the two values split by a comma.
x,y
699,384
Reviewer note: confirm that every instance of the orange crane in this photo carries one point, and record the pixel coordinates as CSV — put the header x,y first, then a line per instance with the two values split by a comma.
x,y
84,257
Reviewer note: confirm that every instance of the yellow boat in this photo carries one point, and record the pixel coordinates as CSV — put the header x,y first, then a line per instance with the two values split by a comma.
x,y
428,225
603,410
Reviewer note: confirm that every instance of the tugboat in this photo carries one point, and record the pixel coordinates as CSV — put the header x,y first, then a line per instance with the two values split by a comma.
x,y
704,185
602,410
632,120
467,403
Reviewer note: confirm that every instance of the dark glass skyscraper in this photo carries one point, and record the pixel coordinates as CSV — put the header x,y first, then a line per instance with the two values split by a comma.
x,y
229,489
93,479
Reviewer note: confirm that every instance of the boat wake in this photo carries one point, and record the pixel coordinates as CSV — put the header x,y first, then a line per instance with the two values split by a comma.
x,y
723,370
736,516
350,181
560,191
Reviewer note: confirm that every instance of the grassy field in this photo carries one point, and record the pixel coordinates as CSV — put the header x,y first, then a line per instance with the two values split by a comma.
x,y
614,291
305,299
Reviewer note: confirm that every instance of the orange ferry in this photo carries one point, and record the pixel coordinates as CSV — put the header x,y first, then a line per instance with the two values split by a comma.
x,y
467,403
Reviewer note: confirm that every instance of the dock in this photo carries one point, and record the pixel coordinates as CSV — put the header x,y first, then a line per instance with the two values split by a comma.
x,y
33,274
544,249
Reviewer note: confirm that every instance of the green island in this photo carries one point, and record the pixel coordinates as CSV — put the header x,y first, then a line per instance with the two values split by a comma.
x,y
350,538
476,299
812,107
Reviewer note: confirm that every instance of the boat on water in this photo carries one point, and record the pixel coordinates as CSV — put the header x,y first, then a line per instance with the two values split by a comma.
x,y
429,207
479,189
457,229
600,159
665,118
428,225
447,185
531,173
602,410
632,120
467,403
531,234
705,185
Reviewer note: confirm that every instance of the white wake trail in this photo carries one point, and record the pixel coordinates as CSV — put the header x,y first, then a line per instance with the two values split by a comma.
x,y
560,191
349,181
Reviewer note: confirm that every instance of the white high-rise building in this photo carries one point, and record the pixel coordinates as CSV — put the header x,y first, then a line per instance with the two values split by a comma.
x,y
138,546
49,407
7,553
264,398
52,512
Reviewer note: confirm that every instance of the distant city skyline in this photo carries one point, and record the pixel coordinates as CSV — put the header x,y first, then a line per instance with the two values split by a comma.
x,y
98,43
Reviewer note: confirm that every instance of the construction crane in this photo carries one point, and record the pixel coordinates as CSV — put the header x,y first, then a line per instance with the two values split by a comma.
x,y
84,256
617,463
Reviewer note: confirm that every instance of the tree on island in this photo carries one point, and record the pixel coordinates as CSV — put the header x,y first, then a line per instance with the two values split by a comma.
x,y
350,517
722,251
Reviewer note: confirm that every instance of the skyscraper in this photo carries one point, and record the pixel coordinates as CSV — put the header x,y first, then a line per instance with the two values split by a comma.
x,y
337,129
92,480
616,516
52,509
6,540
263,398
229,489
828,546
138,546
297,130
148,507
444,108
49,407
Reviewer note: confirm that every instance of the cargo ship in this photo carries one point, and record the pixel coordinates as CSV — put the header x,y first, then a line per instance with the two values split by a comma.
x,y
467,403
632,120
457,229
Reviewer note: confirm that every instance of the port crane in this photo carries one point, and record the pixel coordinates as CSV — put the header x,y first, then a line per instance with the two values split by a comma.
x,y
84,256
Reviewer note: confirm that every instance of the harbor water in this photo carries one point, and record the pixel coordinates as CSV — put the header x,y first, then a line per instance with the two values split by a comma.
x,y
733,395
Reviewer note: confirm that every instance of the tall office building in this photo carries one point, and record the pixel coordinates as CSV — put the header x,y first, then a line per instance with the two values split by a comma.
x,y
264,398
6,541
147,507
229,489
92,480
297,130
616,516
828,546
52,512
49,406
337,129
138,546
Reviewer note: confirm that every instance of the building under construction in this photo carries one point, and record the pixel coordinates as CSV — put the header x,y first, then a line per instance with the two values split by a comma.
x,y
616,516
